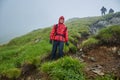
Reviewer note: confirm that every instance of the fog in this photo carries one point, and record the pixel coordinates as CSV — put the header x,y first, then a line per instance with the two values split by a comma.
x,y
18,17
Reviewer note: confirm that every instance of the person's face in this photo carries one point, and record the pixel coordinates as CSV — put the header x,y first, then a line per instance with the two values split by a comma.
x,y
61,20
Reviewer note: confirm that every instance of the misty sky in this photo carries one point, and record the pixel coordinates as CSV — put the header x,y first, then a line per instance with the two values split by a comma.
x,y
18,17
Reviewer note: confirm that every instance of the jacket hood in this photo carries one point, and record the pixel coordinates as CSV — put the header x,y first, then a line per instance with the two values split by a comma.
x,y
61,17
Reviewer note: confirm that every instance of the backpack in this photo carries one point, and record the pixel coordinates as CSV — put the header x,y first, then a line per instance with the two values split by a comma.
x,y
56,26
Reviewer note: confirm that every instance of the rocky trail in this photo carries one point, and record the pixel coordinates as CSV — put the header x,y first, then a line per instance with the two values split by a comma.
x,y
99,61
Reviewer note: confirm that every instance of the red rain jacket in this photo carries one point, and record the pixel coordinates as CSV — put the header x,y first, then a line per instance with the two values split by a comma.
x,y
60,33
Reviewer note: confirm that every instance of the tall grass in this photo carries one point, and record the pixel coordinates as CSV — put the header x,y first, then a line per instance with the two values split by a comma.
x,y
65,68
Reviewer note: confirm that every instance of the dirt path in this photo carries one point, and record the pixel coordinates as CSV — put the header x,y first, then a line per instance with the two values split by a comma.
x,y
101,61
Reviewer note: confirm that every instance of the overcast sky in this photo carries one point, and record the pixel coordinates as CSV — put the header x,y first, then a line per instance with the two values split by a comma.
x,y
18,17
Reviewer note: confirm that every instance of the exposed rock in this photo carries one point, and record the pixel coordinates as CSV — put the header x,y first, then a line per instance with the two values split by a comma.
x,y
113,69
37,40
82,60
38,79
97,69
79,53
115,21
28,78
100,24
81,50
95,27
92,59
83,56
118,52
114,49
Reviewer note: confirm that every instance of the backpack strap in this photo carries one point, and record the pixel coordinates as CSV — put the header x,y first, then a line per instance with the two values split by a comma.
x,y
56,26
65,29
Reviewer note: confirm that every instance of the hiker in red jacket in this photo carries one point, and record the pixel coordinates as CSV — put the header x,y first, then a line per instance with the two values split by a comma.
x,y
59,36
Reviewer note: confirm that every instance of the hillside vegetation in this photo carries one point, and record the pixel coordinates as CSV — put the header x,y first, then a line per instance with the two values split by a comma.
x,y
31,52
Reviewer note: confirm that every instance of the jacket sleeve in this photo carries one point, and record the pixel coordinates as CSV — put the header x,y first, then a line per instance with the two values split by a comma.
x,y
52,33
66,35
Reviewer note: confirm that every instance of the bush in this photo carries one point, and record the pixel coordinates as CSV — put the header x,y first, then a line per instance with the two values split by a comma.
x,y
105,34
109,35
65,68
89,42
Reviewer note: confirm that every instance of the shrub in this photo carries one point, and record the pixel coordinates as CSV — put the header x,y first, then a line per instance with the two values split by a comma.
x,y
65,68
89,42
105,34
109,35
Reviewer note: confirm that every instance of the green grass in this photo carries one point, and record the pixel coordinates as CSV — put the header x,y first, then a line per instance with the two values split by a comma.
x,y
106,36
24,48
109,34
12,73
89,42
66,68
105,77
26,54
14,55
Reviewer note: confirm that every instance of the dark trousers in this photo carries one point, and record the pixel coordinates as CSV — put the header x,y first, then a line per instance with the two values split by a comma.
x,y
60,46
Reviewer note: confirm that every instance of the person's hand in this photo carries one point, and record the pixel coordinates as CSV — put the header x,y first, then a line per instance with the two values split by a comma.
x,y
50,41
67,43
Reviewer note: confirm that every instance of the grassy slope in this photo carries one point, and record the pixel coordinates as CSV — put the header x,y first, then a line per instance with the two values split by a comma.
x,y
24,49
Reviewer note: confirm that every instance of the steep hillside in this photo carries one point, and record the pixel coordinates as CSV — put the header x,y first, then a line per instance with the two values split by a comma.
x,y
27,57
105,21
